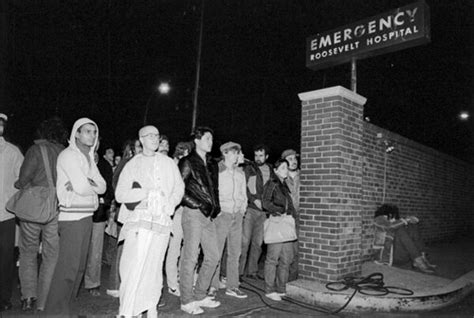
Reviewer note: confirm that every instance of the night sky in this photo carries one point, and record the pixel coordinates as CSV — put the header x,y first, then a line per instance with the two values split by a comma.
x,y
104,60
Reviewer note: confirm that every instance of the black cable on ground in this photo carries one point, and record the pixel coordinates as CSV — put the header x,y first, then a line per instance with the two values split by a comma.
x,y
372,285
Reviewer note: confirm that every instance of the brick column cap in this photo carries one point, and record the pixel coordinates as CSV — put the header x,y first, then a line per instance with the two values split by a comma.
x,y
333,91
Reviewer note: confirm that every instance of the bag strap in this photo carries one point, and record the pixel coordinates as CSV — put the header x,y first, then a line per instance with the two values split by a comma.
x,y
46,166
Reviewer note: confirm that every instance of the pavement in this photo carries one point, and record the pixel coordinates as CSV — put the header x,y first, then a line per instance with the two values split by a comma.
x,y
448,292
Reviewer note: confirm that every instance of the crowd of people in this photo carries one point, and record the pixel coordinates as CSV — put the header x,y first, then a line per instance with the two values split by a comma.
x,y
195,220
202,223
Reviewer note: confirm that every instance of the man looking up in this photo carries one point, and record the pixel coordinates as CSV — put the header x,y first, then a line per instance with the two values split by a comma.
x,y
78,185
233,202
257,174
293,183
152,181
10,163
201,207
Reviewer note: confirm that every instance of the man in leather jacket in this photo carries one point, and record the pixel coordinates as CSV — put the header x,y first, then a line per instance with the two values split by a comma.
x,y
201,206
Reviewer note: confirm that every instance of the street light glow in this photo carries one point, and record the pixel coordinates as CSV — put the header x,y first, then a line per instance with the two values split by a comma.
x,y
464,115
164,88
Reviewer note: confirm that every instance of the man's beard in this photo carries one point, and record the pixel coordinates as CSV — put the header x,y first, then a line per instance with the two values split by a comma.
x,y
260,163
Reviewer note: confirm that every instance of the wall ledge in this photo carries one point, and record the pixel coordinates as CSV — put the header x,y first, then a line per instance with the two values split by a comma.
x,y
333,91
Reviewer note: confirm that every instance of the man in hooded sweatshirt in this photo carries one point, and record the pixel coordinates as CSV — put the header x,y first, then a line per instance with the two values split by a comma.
x,y
78,185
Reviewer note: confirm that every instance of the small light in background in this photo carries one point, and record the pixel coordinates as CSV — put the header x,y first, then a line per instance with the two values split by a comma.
x,y
464,115
164,88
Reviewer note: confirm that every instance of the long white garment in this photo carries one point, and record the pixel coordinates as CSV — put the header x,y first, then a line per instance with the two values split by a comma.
x,y
141,271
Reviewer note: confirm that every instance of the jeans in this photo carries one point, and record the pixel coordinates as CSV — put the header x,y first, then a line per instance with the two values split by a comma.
x,y
7,262
197,229
174,250
252,236
407,244
229,228
34,284
281,255
94,256
74,239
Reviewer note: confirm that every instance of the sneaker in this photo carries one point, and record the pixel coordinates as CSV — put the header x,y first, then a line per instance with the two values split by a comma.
x,y
173,291
212,292
281,294
113,293
273,296
95,292
420,264
235,292
192,308
222,283
208,302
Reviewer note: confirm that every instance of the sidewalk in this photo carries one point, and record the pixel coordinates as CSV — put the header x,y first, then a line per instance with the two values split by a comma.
x,y
432,294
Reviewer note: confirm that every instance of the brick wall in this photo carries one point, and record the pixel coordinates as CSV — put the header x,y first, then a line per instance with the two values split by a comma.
x,y
343,163
331,185
421,181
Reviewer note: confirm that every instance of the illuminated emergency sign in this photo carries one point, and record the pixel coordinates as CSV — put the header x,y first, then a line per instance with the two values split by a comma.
x,y
391,31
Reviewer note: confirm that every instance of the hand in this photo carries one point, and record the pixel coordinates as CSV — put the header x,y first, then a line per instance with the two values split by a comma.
x,y
413,219
68,186
258,203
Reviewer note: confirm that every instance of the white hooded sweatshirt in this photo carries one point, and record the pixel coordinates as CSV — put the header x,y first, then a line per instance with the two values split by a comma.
x,y
74,167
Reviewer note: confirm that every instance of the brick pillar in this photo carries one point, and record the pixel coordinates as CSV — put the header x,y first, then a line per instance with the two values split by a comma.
x,y
331,184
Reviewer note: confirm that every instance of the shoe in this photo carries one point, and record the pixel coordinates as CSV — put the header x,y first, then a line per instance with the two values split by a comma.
x,y
192,308
281,294
208,302
235,292
212,292
113,293
273,296
95,292
222,283
28,304
161,302
173,291
427,262
420,264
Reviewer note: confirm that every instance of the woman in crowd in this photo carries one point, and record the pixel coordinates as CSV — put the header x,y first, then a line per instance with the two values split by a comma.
x,y
277,202
399,239
35,285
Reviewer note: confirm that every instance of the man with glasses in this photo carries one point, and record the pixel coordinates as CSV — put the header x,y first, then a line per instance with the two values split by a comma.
x,y
149,188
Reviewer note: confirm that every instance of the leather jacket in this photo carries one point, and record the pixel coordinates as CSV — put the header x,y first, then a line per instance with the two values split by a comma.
x,y
201,181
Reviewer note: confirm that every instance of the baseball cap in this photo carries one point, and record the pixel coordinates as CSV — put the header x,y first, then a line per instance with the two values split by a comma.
x,y
288,152
229,145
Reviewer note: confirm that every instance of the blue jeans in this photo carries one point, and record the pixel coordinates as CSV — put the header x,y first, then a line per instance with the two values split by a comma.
x,y
229,228
281,255
197,230
252,237
34,284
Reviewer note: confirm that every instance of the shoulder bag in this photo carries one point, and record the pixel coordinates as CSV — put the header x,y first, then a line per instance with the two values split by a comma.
x,y
36,204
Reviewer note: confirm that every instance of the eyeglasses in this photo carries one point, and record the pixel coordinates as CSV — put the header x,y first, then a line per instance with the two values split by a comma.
x,y
151,136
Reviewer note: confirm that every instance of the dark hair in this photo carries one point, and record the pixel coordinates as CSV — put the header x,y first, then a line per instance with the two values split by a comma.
x,y
261,147
53,130
164,137
279,162
201,131
390,210
128,149
181,147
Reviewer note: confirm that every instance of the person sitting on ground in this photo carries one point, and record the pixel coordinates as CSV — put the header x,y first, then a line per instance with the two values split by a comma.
x,y
400,239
